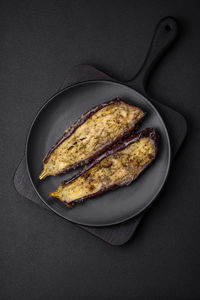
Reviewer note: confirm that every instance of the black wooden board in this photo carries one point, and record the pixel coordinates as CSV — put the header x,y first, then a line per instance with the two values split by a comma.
x,y
120,233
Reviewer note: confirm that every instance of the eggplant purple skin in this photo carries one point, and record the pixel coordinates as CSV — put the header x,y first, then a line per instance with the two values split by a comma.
x,y
79,122
148,132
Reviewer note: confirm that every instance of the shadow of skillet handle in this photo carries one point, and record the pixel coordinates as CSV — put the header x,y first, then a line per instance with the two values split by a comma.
x,y
164,36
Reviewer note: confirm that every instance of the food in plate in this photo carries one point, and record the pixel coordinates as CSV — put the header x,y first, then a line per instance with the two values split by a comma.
x,y
116,167
93,133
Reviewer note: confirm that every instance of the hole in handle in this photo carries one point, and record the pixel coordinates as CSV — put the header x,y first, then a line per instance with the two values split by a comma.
x,y
168,27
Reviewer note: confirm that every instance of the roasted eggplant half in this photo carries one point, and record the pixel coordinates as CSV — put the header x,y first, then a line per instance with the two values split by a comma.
x,y
116,167
90,135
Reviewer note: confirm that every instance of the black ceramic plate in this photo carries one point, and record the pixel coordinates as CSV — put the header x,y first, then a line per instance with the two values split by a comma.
x,y
66,106
57,115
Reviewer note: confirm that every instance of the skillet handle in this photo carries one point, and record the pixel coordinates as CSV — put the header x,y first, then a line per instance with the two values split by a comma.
x,y
165,34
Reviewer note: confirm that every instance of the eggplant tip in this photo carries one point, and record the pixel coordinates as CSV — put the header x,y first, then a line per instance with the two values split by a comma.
x,y
43,175
54,194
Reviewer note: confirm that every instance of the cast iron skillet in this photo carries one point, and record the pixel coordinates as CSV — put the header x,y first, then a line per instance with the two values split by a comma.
x,y
66,106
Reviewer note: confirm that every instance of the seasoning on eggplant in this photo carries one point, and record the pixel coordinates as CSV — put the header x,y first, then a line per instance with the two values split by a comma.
x,y
90,135
117,167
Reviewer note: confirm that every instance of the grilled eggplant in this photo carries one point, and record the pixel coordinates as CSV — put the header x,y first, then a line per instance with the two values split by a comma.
x,y
116,167
90,135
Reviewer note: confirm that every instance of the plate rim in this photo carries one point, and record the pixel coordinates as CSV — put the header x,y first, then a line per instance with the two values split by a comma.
x,y
168,143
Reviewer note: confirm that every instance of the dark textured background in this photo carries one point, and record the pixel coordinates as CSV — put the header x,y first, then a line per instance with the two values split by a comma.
x,y
41,255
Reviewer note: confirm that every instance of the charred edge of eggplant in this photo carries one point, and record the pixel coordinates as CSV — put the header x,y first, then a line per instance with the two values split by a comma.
x,y
148,132
78,123
99,193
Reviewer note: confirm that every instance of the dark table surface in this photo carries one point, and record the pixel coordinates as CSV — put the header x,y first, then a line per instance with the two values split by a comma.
x,y
42,256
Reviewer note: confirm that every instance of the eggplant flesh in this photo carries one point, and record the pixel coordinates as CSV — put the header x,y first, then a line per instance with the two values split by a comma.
x,y
91,135
117,167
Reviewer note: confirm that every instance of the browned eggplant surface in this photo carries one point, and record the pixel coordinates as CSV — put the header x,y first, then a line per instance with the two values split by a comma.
x,y
117,167
90,135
